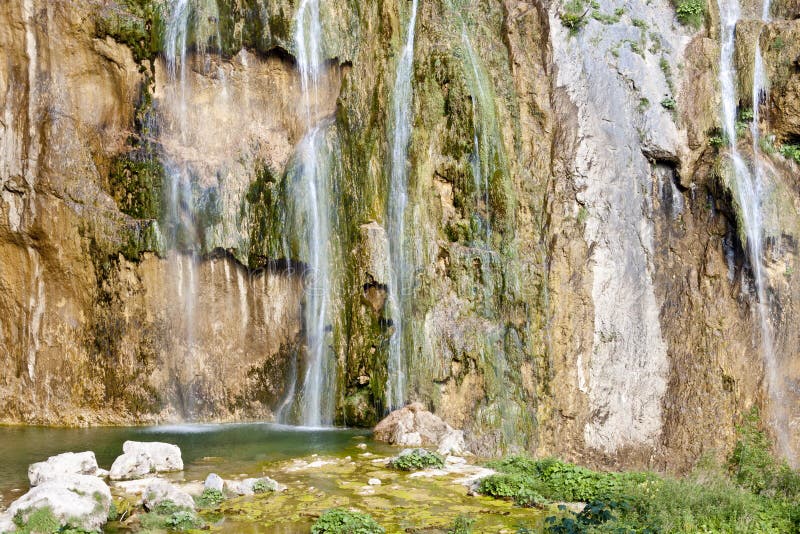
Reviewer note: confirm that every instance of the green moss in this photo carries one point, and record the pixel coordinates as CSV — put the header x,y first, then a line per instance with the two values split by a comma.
x,y
135,182
40,520
138,24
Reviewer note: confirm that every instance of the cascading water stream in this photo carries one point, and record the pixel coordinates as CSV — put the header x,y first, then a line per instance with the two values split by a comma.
x,y
748,190
481,98
179,197
398,200
318,386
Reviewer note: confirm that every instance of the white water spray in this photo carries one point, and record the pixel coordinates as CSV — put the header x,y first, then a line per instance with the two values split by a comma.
x,y
318,382
398,199
748,191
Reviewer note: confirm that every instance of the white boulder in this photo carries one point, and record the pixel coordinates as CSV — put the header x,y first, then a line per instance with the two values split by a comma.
x,y
159,490
79,501
249,486
142,458
214,481
68,463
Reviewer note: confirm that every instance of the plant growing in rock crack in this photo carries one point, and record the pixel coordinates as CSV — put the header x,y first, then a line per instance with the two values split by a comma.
x,y
669,103
574,16
691,12
262,486
341,521
417,459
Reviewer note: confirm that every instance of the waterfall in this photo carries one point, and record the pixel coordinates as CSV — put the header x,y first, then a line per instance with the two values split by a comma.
x,y
318,382
398,199
481,98
748,192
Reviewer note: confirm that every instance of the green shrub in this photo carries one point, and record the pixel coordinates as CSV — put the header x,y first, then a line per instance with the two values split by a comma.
x,y
691,12
519,488
262,486
461,525
668,103
210,498
417,459
167,507
341,521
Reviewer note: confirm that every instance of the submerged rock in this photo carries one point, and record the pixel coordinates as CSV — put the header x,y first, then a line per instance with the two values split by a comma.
x,y
159,490
142,458
415,426
78,501
68,463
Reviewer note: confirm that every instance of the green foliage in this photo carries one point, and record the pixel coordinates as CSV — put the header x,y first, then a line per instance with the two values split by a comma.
x,y
644,104
210,498
753,467
605,18
691,12
791,152
752,493
669,103
641,24
167,507
262,486
519,488
183,520
461,525
594,514
341,521
417,459
574,16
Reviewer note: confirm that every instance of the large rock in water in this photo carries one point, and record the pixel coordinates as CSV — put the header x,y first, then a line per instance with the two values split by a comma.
x,y
142,458
414,426
77,501
68,463
159,491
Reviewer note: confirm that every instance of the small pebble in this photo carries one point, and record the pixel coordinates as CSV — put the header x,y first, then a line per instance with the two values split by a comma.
x,y
374,482
362,445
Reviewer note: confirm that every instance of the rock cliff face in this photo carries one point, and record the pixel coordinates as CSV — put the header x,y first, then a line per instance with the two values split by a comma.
x,y
579,282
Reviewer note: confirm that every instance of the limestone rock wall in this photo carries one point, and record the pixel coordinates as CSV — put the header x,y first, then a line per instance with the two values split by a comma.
x,y
581,286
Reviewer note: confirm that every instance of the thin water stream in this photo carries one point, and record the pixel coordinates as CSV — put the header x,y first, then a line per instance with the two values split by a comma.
x,y
749,194
400,277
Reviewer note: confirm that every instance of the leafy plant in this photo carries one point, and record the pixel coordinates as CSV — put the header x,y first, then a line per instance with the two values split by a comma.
x,y
691,12
341,521
574,16
669,103
519,488
416,460
211,498
461,525
183,520
791,152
